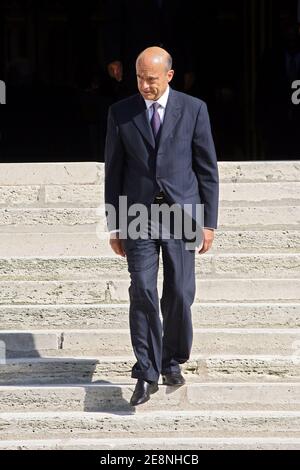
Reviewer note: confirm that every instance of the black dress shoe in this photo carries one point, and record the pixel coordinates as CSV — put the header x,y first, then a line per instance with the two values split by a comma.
x,y
142,392
174,378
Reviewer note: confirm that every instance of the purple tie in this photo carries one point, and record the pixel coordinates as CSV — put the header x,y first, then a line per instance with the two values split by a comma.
x,y
155,120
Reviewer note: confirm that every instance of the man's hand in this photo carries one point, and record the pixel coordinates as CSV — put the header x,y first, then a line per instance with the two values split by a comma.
x,y
117,244
208,238
115,70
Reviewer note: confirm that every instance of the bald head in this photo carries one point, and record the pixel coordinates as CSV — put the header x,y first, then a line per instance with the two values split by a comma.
x,y
154,72
155,55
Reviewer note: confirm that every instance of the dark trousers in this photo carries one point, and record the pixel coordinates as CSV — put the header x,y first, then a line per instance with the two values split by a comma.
x,y
160,346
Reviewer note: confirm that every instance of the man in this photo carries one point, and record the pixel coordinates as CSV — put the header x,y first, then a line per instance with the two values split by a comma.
x,y
131,26
159,147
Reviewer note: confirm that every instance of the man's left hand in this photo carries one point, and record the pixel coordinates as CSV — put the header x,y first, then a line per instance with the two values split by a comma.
x,y
208,238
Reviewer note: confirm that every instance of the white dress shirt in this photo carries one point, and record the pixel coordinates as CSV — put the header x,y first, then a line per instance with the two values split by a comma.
x,y
162,101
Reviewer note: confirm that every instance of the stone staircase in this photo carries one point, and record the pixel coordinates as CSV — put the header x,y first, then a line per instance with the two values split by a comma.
x,y
66,355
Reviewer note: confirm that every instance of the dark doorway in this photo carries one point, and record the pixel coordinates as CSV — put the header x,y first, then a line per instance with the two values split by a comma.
x,y
52,59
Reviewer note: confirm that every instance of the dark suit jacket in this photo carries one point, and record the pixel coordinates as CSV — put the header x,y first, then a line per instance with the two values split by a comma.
x,y
184,165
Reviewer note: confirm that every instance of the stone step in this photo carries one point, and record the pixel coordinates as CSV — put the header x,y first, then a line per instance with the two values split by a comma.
x,y
207,368
93,316
16,230
259,171
167,443
79,173
65,173
219,423
116,291
217,266
259,217
88,244
49,217
284,342
111,397
91,195
231,194
85,219
273,194
80,195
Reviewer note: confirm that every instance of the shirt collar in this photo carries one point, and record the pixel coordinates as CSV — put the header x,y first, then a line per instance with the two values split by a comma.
x,y
162,100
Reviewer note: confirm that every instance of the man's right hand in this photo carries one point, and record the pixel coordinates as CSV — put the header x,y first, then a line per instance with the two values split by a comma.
x,y
117,244
115,70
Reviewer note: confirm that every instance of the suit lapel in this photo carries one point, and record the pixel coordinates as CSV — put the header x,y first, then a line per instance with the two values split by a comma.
x,y
142,122
172,115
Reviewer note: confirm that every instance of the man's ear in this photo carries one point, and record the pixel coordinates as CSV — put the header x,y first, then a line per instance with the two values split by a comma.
x,y
170,75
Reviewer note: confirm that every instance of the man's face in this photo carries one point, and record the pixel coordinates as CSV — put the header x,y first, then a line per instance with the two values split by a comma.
x,y
152,79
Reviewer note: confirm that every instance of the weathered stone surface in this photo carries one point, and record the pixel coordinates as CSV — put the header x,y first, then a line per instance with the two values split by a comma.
x,y
213,315
63,268
75,195
230,218
51,173
206,341
251,315
264,171
148,443
52,292
256,171
55,216
273,217
208,266
93,172
81,268
256,241
279,193
283,342
116,397
11,196
99,291
26,343
228,368
59,244
155,424
53,229
245,351
69,316
254,265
